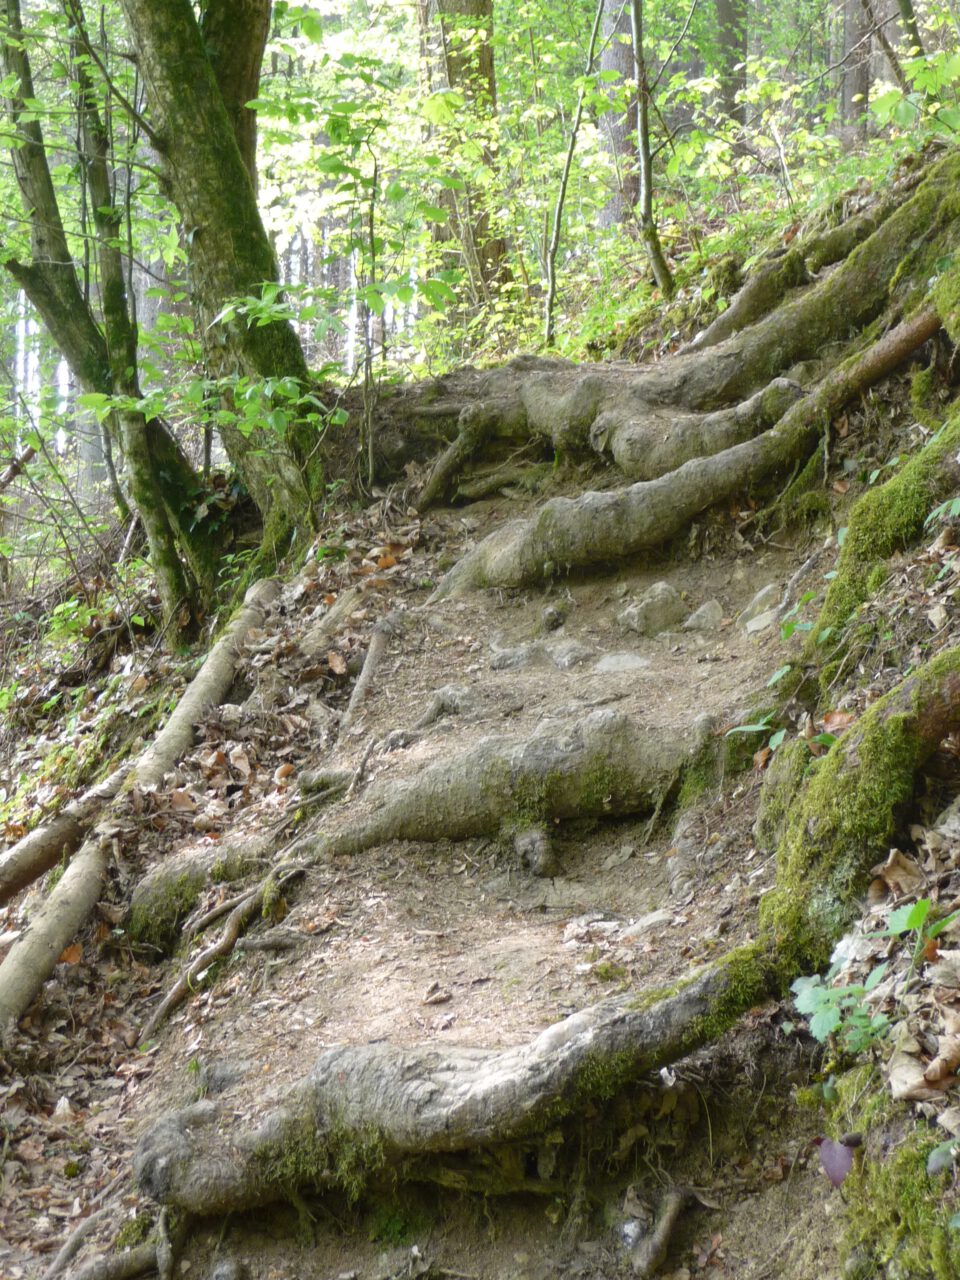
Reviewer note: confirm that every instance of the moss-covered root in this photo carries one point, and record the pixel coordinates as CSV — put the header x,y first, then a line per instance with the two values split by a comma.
x,y
887,519
765,289
843,820
607,765
364,1108
570,533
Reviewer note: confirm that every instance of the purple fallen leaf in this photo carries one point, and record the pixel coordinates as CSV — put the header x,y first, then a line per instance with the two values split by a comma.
x,y
836,1158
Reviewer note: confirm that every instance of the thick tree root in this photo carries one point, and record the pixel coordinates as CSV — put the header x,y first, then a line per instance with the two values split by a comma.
x,y
364,1109
47,845
473,429
382,1105
569,533
33,956
604,766
576,409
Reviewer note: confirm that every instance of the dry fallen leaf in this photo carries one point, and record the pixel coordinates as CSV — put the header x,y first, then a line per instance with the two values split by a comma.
x,y
946,1061
906,1079
900,876
72,954
337,663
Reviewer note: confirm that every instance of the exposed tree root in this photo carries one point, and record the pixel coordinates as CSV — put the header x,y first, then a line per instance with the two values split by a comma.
x,y
386,1104
473,429
365,1108
51,928
603,766
237,921
159,1255
570,533
384,631
648,1254
47,845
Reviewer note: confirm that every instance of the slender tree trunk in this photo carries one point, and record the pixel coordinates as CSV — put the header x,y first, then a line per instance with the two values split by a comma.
x,y
619,132
648,226
465,63
855,86
230,253
908,20
732,41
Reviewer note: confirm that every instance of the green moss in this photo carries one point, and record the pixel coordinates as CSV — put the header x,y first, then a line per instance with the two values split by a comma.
x,y
885,520
343,1157
897,1215
699,777
134,1231
921,387
154,921
781,783
845,817
945,296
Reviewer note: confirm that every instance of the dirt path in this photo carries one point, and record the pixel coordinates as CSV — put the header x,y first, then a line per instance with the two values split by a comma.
x,y
416,942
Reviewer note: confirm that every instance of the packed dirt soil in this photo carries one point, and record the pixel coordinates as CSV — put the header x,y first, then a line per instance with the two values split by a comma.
x,y
456,942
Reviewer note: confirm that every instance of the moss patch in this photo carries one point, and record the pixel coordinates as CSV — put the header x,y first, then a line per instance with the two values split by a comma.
x,y
885,520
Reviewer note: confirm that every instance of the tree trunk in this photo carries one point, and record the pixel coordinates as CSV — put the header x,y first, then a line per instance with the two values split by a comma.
x,y
235,34
855,88
464,62
619,131
230,253
732,50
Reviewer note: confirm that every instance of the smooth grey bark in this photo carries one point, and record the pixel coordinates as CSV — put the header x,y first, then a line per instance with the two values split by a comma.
x,y
619,130
855,86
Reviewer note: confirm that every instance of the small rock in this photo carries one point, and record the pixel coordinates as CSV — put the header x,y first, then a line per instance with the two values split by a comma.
x,y
652,920
658,609
568,653
552,617
707,618
767,598
614,663
762,622
515,659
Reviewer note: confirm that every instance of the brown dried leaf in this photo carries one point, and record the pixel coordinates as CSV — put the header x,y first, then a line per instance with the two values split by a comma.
x,y
900,873
337,663
837,721
906,1079
72,954
946,1061
946,971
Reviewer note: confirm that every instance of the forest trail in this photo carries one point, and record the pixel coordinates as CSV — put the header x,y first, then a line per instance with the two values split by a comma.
x,y
444,943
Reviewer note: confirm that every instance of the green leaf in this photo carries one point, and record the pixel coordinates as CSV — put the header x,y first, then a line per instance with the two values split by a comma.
x,y
93,400
825,1022
912,916
875,976
441,108
942,1157
779,674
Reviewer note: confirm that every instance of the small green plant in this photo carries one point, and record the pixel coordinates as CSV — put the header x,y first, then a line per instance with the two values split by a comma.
x,y
763,725
841,1011
844,1011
